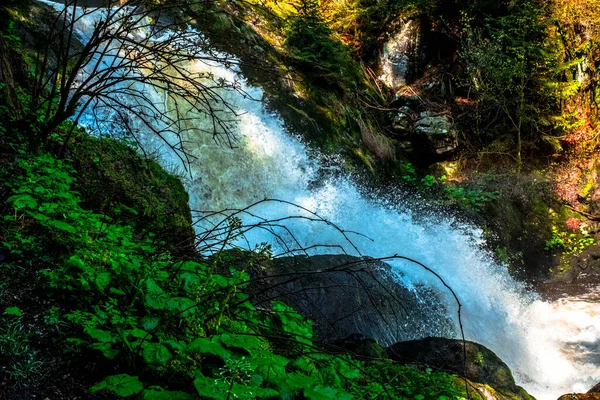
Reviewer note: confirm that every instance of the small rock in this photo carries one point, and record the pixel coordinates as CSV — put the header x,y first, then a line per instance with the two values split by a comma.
x,y
436,134
403,121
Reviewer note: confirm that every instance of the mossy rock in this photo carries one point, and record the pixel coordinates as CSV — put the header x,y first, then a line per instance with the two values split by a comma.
x,y
114,179
481,364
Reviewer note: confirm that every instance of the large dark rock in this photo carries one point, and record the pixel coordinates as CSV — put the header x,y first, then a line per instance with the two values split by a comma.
x,y
345,295
595,389
481,364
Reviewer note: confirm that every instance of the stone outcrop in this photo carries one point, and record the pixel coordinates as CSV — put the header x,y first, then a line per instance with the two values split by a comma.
x,y
436,133
481,364
345,295
403,121
433,134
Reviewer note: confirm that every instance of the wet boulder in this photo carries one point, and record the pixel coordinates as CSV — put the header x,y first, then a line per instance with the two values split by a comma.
x,y
436,134
481,364
344,295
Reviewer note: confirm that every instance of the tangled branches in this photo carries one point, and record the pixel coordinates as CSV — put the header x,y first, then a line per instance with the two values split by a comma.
x,y
140,69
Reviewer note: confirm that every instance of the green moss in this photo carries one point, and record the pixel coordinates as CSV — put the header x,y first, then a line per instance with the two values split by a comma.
x,y
588,187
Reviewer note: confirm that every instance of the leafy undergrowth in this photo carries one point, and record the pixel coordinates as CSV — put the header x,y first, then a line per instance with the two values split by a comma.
x,y
95,308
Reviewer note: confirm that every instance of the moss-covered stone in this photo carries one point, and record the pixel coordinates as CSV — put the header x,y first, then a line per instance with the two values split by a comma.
x,y
115,179
481,364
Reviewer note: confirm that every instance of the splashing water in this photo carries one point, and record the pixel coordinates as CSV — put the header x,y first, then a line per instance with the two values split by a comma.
x,y
549,346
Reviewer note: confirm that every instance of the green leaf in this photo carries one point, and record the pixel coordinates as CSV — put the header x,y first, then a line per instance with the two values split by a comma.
x,y
178,347
190,281
245,342
150,323
13,311
211,388
116,291
106,348
155,297
300,381
63,226
156,353
102,280
158,393
101,335
182,306
22,201
321,392
205,345
347,370
139,333
122,385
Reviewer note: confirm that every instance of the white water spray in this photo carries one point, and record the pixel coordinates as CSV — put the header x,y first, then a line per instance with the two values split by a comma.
x,y
533,337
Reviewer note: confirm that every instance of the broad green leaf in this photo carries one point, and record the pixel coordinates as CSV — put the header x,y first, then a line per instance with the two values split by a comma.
x,y
150,323
39,216
211,388
101,335
63,226
305,364
321,392
139,333
22,201
347,370
106,348
178,347
122,385
252,392
155,297
102,280
300,381
156,353
245,342
13,311
205,345
157,393
182,306
190,281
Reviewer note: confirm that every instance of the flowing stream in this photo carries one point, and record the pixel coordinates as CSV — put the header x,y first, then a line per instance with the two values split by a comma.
x,y
551,347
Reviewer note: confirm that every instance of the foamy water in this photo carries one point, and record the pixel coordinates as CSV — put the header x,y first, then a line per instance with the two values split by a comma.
x,y
544,343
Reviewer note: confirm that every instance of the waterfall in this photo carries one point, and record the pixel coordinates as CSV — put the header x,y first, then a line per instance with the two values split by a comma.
x,y
535,338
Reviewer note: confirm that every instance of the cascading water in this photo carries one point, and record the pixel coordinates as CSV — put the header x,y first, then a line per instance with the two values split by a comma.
x,y
532,336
